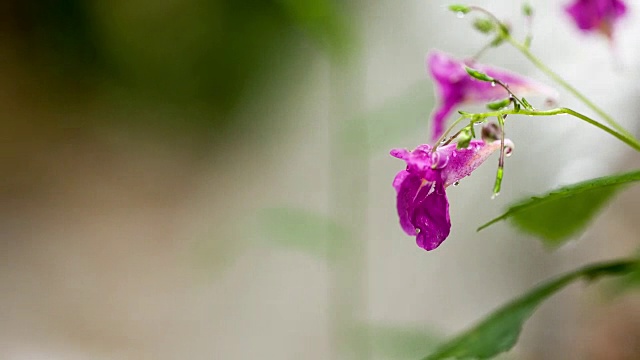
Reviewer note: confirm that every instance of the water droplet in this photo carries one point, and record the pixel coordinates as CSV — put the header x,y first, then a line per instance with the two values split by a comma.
x,y
417,231
460,14
493,83
495,195
456,183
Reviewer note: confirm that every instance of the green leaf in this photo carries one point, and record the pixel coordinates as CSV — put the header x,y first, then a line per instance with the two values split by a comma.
x,y
459,8
301,230
396,119
527,10
478,75
499,332
559,214
324,20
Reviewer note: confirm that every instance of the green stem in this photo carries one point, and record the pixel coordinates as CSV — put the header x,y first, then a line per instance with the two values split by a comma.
x,y
500,173
627,139
524,49
555,77
444,135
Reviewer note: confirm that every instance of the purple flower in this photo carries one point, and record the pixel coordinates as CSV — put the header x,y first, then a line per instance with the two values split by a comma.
x,y
596,15
421,198
456,87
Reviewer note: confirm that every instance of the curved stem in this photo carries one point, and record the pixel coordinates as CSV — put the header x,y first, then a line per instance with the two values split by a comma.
x,y
444,135
627,139
555,77
524,49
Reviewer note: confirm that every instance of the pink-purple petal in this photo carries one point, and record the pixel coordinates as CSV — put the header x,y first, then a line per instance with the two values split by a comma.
x,y
596,15
407,191
432,220
422,205
455,87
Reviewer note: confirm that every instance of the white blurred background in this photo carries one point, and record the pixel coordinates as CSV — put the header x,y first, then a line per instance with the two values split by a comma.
x,y
123,243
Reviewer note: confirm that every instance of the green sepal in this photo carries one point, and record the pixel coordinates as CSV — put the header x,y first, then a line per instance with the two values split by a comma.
x,y
464,137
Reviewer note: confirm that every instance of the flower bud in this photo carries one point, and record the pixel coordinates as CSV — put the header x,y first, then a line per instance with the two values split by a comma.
x,y
459,8
491,132
478,75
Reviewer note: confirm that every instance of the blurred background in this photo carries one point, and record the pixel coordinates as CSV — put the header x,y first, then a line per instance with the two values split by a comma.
x,y
210,180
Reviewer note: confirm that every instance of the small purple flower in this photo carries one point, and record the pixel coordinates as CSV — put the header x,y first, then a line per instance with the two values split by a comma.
x,y
421,198
456,87
597,15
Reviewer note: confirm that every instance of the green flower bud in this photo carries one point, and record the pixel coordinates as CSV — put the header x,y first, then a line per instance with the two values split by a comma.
x,y
478,75
498,104
485,26
459,8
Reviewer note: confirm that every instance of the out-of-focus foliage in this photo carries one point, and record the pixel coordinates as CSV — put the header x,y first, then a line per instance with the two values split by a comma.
x,y
559,214
499,332
391,122
197,53
302,230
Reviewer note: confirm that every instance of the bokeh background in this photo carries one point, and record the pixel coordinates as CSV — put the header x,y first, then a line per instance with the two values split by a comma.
x,y
191,179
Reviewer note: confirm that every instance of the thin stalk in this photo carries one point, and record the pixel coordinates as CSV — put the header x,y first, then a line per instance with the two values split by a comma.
x,y
500,172
444,135
555,77
627,139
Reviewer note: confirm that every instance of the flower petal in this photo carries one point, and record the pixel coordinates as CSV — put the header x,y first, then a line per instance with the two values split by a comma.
x,y
463,161
407,186
431,218
596,15
454,86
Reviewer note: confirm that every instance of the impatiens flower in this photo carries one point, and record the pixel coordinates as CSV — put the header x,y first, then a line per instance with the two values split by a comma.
x,y
596,15
455,86
421,198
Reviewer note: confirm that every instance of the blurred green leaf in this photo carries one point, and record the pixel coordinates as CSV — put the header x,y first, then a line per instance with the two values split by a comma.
x,y
499,332
396,342
302,230
559,214
324,20
627,283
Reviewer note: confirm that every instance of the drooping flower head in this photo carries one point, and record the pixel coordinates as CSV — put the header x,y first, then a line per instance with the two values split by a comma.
x,y
422,202
455,86
597,15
